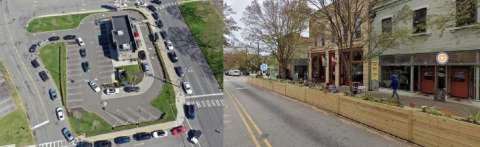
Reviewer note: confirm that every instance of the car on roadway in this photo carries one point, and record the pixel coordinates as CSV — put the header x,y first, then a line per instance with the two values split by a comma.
x,y
163,34
54,38
69,37
85,66
179,130
159,133
189,111
53,93
187,87
35,63
43,75
179,71
142,136
131,88
155,15
102,143
158,2
84,144
121,140
159,23
68,135
94,86
142,55
173,56
83,52
169,45
152,8
111,91
80,41
193,135
145,67
33,48
60,114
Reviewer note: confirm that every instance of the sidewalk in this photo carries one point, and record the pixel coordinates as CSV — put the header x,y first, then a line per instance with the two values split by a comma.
x,y
460,108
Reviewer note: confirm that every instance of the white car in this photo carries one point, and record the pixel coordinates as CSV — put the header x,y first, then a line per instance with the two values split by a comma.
x,y
111,91
159,134
80,41
59,112
94,86
169,45
187,87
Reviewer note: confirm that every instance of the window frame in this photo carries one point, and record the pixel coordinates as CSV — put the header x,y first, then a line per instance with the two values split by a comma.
x,y
418,20
383,25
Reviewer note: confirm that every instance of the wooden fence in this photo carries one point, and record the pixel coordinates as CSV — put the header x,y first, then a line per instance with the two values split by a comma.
x,y
407,123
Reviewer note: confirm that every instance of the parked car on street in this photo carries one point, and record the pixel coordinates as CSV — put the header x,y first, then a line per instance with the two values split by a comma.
x,y
152,8
69,37
94,86
84,144
142,55
43,75
142,136
158,2
179,130
59,111
193,136
154,37
155,15
169,45
85,66
159,133
145,67
102,143
187,87
131,88
179,71
159,23
68,135
189,111
121,140
83,52
33,48
80,41
53,38
35,63
163,34
111,91
173,56
52,93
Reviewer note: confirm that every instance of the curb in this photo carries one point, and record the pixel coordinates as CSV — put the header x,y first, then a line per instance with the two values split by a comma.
x,y
62,14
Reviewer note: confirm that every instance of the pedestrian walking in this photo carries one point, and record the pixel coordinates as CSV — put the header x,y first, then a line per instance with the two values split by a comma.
x,y
394,85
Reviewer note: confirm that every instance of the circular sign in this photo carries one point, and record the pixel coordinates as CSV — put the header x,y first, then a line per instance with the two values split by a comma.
x,y
442,58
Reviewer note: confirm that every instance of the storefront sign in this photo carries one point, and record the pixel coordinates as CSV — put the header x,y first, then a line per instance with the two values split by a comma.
x,y
374,70
442,58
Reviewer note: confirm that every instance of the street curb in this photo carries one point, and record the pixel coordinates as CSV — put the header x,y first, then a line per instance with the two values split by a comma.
x,y
62,14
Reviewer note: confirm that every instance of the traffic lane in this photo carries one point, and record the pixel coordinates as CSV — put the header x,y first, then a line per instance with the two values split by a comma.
x,y
209,119
235,132
304,126
169,141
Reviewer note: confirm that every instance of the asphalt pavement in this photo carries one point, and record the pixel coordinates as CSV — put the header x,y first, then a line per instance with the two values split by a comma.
x,y
269,119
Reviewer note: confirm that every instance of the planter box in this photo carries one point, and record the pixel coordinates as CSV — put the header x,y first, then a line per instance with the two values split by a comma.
x,y
296,92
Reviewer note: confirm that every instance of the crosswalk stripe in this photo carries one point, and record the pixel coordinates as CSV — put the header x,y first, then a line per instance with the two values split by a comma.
x,y
221,102
198,104
217,102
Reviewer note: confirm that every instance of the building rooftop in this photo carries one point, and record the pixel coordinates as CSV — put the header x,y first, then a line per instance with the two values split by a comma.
x,y
122,33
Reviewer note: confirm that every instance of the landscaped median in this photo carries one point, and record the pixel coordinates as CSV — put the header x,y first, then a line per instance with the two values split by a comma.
x,y
405,122
14,127
54,59
54,23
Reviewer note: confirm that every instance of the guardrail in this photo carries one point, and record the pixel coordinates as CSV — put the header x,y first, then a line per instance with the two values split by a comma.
x,y
406,123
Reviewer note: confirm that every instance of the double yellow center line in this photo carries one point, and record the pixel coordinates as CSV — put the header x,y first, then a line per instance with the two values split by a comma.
x,y
248,122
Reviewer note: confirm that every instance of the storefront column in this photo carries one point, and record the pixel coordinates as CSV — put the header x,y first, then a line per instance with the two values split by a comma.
x,y
411,77
327,67
435,79
477,83
337,68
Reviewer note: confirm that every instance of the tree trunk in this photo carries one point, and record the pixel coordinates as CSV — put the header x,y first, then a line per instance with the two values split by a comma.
x,y
282,70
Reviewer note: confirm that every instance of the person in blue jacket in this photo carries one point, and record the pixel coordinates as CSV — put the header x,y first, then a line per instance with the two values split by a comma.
x,y
394,86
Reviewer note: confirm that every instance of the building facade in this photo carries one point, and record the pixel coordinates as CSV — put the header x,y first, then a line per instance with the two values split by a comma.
x,y
432,27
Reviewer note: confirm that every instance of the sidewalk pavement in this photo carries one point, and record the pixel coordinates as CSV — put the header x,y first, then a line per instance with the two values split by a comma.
x,y
461,108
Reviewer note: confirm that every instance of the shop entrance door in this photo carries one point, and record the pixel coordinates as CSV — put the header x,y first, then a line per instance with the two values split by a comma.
x,y
427,79
459,82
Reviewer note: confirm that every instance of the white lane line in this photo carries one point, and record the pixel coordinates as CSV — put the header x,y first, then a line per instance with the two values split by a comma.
x,y
204,95
40,124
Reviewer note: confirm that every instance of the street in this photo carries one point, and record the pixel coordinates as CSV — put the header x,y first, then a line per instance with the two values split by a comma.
x,y
256,117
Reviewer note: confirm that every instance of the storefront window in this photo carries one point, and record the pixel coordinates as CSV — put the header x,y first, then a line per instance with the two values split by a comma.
x,y
403,73
428,75
459,76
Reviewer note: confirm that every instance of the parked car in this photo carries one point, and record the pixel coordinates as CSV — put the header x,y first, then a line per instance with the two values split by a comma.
x,y
121,139
35,63
84,144
69,37
169,45
193,135
94,86
145,67
189,111
102,143
158,2
85,66
142,55
164,34
59,111
173,56
131,88
159,23
80,41
179,130
154,37
155,15
52,93
43,75
142,136
53,38
111,91
33,48
179,71
159,133
152,8
68,135
187,87
83,52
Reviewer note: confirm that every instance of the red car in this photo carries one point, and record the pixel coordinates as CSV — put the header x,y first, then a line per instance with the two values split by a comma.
x,y
178,130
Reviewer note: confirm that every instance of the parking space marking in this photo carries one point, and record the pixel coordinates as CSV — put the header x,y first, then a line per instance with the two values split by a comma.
x,y
75,93
75,100
151,116
108,72
117,120
58,143
123,114
129,109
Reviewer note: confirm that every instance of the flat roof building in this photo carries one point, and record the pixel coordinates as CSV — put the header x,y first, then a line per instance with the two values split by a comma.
x,y
122,37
